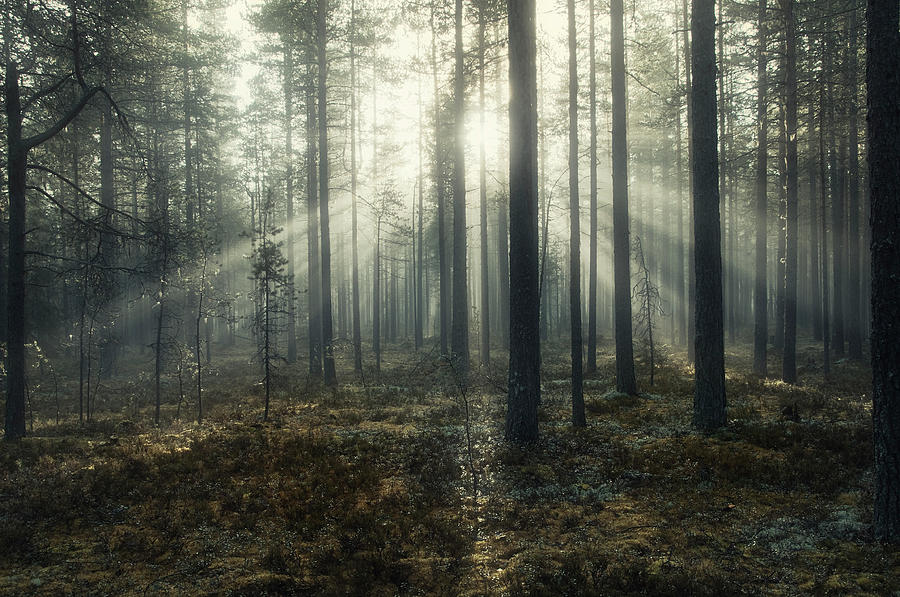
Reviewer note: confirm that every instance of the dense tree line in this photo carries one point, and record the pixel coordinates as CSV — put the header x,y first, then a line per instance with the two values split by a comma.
x,y
722,138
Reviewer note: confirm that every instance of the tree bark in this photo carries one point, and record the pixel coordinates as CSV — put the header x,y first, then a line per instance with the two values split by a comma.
x,y
883,126
312,236
789,361
459,333
578,419
625,380
327,331
485,352
709,390
525,349
760,316
854,310
289,195
592,267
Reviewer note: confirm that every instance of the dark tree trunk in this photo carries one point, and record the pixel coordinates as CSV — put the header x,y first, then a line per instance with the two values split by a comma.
x,y
709,390
574,229
815,288
459,340
823,184
376,297
289,195
440,192
592,267
17,159
312,235
421,296
327,345
760,316
692,274
837,225
789,361
485,352
854,310
357,331
625,381
681,298
782,230
883,120
525,349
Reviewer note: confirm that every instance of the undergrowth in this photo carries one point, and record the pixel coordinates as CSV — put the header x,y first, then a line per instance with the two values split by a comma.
x,y
367,489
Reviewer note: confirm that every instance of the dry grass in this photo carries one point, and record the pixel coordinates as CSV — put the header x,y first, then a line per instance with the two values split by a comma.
x,y
367,490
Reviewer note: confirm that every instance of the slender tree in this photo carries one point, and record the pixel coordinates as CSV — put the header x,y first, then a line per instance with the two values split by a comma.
x,y
854,316
760,295
574,229
524,302
592,267
289,193
459,333
312,236
709,350
789,361
625,380
354,232
485,352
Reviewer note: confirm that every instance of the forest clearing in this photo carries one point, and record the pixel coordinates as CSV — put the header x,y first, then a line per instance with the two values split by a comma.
x,y
369,490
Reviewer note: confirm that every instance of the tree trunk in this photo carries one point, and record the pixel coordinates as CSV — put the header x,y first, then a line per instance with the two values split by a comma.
x,y
760,316
625,380
459,341
592,267
312,236
709,389
692,274
357,331
883,118
289,195
327,331
17,159
823,184
524,304
815,304
440,192
376,297
782,229
854,310
574,229
485,352
789,361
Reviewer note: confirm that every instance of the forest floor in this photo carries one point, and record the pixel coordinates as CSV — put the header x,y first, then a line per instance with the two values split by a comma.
x,y
369,489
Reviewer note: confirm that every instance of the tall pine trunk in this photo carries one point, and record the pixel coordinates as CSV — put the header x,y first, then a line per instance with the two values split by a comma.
x,y
760,316
357,332
789,361
312,235
709,388
289,195
625,381
574,229
485,352
524,303
592,267
327,344
459,333
854,310
883,126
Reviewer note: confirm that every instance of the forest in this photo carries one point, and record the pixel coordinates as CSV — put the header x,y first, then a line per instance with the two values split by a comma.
x,y
434,297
